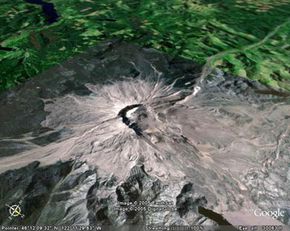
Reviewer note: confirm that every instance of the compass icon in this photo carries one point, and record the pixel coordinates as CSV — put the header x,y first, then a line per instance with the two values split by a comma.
x,y
15,210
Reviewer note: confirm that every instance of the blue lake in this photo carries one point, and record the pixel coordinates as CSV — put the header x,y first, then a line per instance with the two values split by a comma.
x,y
48,9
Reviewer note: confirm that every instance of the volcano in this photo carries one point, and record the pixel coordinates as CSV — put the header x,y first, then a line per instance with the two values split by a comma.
x,y
127,138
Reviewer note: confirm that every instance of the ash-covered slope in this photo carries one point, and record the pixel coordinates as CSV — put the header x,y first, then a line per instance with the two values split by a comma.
x,y
141,127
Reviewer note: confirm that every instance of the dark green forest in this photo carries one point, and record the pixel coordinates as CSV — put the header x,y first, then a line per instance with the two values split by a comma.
x,y
247,38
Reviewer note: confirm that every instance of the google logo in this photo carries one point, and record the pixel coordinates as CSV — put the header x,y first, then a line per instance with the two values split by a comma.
x,y
270,213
